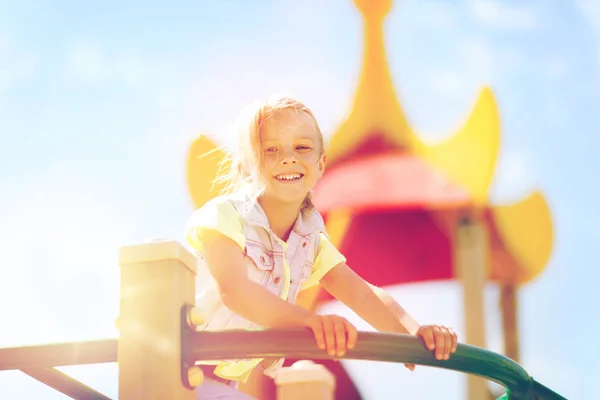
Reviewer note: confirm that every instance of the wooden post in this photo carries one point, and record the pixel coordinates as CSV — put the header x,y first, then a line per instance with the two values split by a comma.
x,y
508,305
305,380
471,252
157,279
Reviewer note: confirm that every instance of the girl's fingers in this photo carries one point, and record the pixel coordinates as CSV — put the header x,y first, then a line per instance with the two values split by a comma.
x,y
352,334
439,338
317,329
439,342
340,336
334,334
427,335
329,335
454,339
447,342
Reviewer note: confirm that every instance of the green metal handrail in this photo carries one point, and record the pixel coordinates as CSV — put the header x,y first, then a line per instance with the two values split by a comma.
x,y
399,348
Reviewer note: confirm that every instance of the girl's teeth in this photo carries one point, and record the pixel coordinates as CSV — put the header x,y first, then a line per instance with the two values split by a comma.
x,y
289,177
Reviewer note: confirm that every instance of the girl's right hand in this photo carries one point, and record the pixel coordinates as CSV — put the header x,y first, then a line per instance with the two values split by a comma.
x,y
333,333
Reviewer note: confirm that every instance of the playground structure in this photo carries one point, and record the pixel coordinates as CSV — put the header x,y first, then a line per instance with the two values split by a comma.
x,y
423,208
158,344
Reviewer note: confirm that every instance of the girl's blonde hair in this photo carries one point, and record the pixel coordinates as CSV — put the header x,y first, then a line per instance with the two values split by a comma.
x,y
246,158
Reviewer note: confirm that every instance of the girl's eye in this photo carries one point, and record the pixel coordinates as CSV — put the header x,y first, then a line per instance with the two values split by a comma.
x,y
303,148
270,149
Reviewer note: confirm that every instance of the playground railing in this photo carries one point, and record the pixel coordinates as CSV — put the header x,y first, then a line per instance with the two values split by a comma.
x,y
37,361
159,344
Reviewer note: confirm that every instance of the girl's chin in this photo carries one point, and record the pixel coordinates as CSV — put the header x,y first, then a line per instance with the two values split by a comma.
x,y
285,196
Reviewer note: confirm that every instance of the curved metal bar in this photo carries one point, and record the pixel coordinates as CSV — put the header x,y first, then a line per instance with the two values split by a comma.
x,y
399,348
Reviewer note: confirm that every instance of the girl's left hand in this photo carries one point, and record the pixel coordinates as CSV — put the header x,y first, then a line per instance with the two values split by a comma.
x,y
439,338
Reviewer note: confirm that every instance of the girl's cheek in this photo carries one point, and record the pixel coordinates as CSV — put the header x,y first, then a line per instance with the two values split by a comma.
x,y
311,156
269,162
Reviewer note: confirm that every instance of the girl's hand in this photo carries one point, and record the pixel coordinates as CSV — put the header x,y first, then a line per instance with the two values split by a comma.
x,y
333,333
439,338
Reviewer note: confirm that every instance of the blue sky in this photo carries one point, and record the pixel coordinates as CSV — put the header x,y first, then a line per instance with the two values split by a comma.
x,y
99,103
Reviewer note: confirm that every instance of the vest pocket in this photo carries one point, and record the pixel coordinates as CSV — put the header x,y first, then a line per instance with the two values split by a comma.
x,y
306,271
260,264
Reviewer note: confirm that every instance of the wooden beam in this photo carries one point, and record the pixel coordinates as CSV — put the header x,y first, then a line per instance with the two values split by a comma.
x,y
471,259
508,305
157,280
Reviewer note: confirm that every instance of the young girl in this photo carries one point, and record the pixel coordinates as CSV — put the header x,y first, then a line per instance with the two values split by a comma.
x,y
264,242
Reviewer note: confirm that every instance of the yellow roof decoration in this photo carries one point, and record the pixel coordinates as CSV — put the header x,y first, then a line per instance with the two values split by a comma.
x,y
205,162
526,231
376,109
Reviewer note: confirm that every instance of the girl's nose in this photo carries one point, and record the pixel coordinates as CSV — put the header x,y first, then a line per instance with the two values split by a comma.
x,y
288,160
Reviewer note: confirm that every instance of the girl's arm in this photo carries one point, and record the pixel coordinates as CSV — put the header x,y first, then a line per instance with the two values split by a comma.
x,y
248,299
255,303
382,312
372,304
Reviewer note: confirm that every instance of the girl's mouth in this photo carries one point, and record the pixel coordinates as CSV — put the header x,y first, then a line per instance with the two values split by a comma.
x,y
289,177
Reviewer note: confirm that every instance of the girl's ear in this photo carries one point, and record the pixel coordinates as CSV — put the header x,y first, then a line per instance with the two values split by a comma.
x,y
322,163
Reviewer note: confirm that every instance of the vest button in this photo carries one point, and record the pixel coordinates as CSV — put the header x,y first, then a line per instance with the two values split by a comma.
x,y
304,244
277,280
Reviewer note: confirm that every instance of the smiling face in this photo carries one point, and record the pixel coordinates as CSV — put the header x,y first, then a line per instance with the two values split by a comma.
x,y
292,155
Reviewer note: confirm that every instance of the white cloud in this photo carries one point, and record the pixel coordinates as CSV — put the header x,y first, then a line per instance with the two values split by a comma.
x,y
480,60
427,14
590,10
69,239
234,73
475,68
500,15
449,84
91,63
454,86
4,42
558,111
131,69
87,63
557,67
16,65
438,15
513,179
